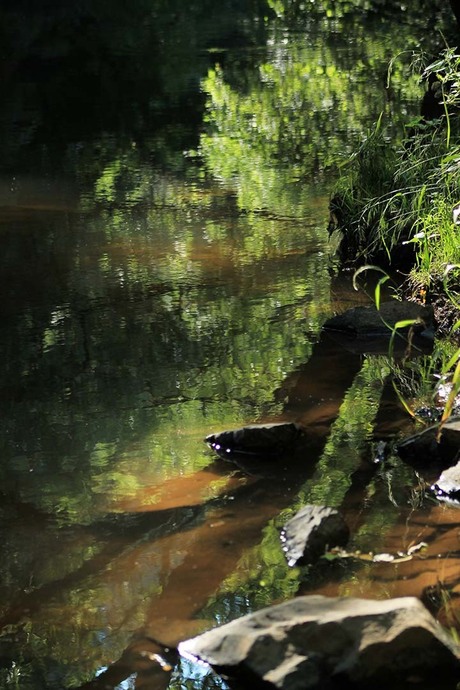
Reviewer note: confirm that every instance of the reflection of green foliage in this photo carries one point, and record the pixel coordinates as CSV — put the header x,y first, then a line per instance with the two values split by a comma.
x,y
263,574
276,128
358,11
160,333
350,434
168,327
387,495
109,71
262,577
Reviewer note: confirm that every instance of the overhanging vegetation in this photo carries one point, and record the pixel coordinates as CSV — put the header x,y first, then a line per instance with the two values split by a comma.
x,y
397,203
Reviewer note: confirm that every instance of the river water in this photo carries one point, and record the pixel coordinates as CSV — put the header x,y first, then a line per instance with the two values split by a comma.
x,y
165,273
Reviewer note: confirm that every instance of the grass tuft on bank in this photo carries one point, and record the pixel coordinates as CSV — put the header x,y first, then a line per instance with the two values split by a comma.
x,y
398,205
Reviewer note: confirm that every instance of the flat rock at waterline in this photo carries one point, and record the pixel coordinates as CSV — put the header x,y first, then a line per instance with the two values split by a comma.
x,y
424,448
311,532
322,643
364,322
258,439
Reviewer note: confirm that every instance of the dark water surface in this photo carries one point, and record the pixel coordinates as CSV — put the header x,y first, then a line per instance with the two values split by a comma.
x,y
165,272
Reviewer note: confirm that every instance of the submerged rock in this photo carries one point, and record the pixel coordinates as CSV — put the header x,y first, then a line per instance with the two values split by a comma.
x,y
425,448
365,322
311,532
320,643
258,440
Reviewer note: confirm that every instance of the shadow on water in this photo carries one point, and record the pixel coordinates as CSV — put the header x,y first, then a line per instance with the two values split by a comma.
x,y
235,523
225,530
211,535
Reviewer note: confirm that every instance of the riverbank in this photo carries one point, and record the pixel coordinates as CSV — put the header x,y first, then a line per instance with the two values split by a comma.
x,y
396,205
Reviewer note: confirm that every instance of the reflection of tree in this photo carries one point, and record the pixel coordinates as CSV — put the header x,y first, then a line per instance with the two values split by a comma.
x,y
177,559
167,321
350,13
247,578
82,72
308,103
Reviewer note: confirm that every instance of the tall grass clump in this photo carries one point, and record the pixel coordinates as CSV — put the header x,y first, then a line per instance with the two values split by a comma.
x,y
398,205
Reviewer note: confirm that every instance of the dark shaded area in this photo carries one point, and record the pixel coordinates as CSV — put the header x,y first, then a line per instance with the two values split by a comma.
x,y
455,5
432,446
78,72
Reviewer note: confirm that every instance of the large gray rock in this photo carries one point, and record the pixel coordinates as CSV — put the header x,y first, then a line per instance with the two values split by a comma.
x,y
370,322
317,642
311,531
